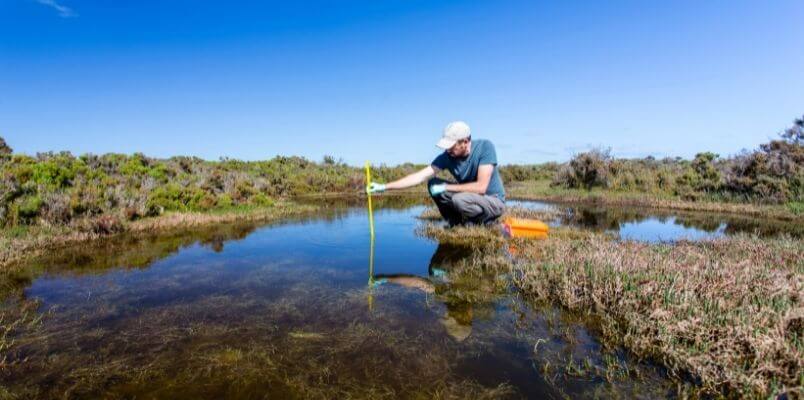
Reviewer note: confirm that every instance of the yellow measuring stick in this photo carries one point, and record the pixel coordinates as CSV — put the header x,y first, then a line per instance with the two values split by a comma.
x,y
370,211
371,245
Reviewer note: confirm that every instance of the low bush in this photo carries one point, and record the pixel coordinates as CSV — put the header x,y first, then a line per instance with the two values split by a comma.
x,y
774,173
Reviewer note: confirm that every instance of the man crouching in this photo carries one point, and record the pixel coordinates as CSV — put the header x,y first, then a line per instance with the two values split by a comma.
x,y
478,196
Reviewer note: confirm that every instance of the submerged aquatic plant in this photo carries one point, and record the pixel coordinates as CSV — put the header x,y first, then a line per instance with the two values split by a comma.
x,y
317,342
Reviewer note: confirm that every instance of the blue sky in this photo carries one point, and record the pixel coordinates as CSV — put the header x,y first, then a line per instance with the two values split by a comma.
x,y
379,79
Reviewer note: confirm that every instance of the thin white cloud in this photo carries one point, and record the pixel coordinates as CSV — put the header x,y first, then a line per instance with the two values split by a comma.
x,y
64,11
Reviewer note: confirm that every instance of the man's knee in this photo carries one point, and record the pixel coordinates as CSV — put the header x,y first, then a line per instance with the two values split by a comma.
x,y
466,203
462,198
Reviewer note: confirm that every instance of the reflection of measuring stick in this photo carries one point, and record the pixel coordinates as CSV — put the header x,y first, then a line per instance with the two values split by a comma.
x,y
371,247
371,276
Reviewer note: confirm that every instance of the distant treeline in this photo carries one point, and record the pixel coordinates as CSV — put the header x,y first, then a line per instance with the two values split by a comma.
x,y
59,188
774,173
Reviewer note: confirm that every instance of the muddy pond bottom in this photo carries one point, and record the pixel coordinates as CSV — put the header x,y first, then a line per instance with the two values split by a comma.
x,y
286,311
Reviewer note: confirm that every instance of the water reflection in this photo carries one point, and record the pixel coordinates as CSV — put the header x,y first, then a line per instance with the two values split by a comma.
x,y
448,289
646,224
381,202
141,250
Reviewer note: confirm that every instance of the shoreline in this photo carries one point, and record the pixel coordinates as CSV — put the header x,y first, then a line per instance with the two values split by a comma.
x,y
38,239
32,245
777,212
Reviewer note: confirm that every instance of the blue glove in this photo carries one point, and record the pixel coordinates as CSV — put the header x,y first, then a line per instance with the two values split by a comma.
x,y
438,189
375,188
377,282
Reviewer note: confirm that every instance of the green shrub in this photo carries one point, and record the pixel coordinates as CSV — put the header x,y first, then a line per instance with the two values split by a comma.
x,y
165,198
87,200
159,172
205,202
225,201
243,190
773,173
28,209
262,200
522,173
57,173
134,166
708,175
586,170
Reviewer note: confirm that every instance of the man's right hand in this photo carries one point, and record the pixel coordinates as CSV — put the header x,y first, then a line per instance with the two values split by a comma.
x,y
438,188
375,188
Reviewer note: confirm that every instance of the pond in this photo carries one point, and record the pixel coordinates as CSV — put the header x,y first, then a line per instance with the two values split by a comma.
x,y
285,310
655,225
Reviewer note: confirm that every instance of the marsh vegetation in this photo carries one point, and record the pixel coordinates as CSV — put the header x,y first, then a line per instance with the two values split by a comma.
x,y
236,279
724,313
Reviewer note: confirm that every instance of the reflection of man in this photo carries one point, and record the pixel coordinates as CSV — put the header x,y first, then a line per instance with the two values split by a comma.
x,y
478,196
458,320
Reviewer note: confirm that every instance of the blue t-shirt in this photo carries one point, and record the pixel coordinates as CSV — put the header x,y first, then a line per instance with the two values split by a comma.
x,y
465,169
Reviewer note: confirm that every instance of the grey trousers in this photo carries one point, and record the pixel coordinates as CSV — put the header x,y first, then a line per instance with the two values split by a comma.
x,y
462,207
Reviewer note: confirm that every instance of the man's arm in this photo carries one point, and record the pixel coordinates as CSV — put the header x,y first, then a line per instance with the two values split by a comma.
x,y
412,179
410,281
479,186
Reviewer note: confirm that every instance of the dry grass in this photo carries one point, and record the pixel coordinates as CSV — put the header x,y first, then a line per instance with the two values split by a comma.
x,y
430,214
727,313
464,236
547,214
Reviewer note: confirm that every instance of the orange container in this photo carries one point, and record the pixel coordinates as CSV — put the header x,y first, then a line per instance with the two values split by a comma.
x,y
523,227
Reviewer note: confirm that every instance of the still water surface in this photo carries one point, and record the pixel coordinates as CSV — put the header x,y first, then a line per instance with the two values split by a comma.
x,y
653,225
284,311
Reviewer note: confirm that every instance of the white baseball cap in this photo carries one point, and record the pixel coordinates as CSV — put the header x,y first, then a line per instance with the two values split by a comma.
x,y
454,132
